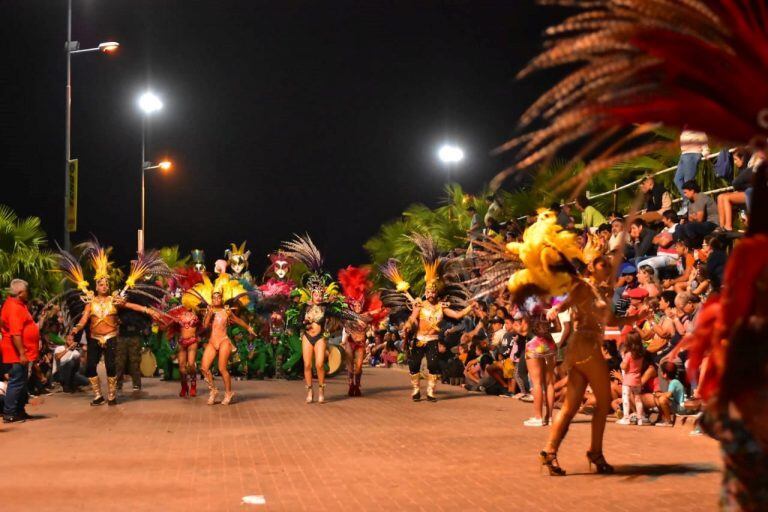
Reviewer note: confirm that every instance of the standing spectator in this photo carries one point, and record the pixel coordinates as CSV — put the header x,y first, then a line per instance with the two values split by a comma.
x,y
693,145
494,212
540,358
657,200
590,217
19,346
631,369
475,226
641,241
702,215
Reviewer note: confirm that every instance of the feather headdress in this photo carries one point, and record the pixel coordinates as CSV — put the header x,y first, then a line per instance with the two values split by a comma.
x,y
99,258
302,249
72,270
232,292
638,63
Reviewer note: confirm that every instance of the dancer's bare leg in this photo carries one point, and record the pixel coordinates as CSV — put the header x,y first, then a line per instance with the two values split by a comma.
x,y
549,382
224,351
574,394
536,374
320,347
209,354
307,351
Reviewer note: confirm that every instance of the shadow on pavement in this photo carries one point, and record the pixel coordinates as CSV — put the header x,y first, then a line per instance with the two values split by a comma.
x,y
634,471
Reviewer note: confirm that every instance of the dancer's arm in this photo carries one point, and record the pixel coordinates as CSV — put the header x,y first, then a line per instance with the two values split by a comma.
x,y
458,315
83,320
141,309
234,318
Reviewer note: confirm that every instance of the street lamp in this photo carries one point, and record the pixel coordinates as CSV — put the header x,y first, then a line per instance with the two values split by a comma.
x,y
450,155
73,47
164,166
149,103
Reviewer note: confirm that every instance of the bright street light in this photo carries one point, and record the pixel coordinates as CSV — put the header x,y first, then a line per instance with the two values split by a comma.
x,y
165,165
109,46
149,103
450,154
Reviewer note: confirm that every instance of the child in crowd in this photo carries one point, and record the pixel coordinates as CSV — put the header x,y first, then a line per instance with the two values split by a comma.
x,y
632,368
672,402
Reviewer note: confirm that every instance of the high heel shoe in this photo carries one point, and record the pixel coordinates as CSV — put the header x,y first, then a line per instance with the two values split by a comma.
x,y
321,393
601,466
549,461
228,398
309,394
212,396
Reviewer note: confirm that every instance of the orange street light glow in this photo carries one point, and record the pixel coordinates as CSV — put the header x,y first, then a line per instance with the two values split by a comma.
x,y
165,165
109,46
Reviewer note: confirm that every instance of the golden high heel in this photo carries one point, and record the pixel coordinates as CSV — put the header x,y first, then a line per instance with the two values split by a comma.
x,y
549,460
228,398
212,396
321,393
309,394
601,465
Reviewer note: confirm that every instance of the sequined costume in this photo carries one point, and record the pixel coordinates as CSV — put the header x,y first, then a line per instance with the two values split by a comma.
x,y
442,292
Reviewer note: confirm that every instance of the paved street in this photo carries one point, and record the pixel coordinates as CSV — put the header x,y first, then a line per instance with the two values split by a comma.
x,y
378,452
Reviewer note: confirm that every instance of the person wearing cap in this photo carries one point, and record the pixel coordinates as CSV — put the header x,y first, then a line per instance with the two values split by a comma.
x,y
497,330
626,281
19,346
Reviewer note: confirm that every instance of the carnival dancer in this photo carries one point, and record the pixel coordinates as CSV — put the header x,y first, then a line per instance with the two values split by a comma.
x,y
319,301
357,292
427,313
100,309
544,264
186,322
221,298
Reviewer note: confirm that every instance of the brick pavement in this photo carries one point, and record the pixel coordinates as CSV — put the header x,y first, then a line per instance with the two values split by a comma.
x,y
378,452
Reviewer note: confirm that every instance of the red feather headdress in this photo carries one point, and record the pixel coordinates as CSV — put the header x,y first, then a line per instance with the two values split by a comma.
x,y
357,288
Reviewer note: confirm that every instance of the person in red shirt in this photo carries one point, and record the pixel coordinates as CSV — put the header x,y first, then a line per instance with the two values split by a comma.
x,y
19,346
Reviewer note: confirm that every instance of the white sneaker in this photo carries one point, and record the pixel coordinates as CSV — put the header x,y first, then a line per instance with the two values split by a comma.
x,y
623,421
534,422
663,424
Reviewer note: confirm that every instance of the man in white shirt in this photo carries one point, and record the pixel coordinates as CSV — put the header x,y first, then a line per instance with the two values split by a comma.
x,y
66,363
619,236
497,328
666,254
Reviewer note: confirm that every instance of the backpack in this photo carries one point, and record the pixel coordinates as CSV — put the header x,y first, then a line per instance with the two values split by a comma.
x,y
724,165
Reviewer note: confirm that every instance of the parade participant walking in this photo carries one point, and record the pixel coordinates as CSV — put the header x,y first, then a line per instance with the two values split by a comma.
x,y
357,292
221,299
318,302
427,313
101,309
543,264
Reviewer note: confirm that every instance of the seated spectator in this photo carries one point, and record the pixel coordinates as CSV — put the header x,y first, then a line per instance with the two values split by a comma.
x,y
672,402
657,200
702,215
646,279
590,217
640,241
684,265
713,254
687,306
626,281
563,213
66,366
666,254
481,374
741,182
619,237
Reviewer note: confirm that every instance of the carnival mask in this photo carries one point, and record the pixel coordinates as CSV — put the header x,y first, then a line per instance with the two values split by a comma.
x,y
237,257
198,258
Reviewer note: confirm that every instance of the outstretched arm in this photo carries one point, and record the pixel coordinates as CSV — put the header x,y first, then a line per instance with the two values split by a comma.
x,y
83,320
458,315
238,321
141,309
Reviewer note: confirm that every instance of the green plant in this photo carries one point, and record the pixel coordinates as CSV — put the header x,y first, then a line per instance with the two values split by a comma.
x,y
23,255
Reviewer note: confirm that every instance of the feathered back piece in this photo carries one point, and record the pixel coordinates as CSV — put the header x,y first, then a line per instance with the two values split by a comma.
x,y
148,264
72,270
391,271
232,292
304,250
430,258
636,63
98,257
542,264
354,283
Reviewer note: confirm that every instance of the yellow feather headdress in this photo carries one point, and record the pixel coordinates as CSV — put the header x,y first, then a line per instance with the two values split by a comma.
x,y
202,293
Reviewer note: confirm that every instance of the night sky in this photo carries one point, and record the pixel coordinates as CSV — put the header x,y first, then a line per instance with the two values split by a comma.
x,y
280,116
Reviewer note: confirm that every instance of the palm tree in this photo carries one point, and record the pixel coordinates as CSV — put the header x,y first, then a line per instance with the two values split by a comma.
x,y
23,255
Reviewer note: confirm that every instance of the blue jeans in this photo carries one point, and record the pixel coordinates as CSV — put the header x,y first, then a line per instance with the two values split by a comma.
x,y
16,394
748,194
686,171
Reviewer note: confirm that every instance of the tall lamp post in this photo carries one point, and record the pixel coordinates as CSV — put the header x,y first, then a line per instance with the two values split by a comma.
x,y
149,104
73,48
164,166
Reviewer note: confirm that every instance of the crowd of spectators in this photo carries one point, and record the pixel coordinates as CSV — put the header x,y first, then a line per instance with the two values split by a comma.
x,y
666,263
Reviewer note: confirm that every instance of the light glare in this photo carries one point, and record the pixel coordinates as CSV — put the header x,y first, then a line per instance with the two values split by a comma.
x,y
165,165
149,103
450,154
109,46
